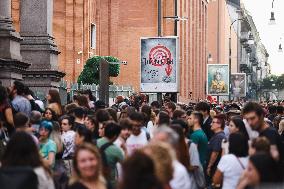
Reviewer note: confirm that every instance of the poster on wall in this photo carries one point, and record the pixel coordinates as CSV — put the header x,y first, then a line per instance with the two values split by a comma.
x,y
238,81
159,64
217,79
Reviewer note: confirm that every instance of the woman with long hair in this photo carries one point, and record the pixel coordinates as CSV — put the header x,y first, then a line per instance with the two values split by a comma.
x,y
87,167
237,125
22,151
232,165
82,101
54,101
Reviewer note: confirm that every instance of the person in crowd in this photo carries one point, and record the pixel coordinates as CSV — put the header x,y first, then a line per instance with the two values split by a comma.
x,y
179,114
126,127
21,151
35,120
54,101
170,108
204,108
82,101
272,112
22,123
50,115
6,113
215,145
87,165
232,165
155,105
181,178
99,105
281,130
138,137
79,115
259,145
90,97
139,173
163,118
83,135
111,154
162,155
47,146
184,126
113,114
237,125
147,111
19,102
102,116
254,115
68,140
198,136
68,109
92,124
262,172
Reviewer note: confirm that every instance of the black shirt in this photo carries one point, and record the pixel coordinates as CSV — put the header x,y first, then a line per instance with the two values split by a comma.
x,y
206,127
274,139
77,185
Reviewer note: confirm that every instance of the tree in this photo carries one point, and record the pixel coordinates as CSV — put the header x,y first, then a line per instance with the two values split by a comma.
x,y
91,71
273,82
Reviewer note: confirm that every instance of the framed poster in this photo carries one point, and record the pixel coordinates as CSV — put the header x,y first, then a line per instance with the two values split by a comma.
x,y
238,82
217,80
159,64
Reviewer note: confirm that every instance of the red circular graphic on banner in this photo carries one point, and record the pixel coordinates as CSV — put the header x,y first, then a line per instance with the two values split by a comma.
x,y
159,55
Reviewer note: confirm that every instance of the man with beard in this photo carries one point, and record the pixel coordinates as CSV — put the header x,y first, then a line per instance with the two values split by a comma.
x,y
254,115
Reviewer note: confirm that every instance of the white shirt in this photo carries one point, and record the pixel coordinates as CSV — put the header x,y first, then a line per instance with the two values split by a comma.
x,y
44,180
136,142
68,140
151,128
232,170
181,179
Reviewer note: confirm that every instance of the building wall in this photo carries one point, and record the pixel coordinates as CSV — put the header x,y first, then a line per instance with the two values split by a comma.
x,y
119,25
219,32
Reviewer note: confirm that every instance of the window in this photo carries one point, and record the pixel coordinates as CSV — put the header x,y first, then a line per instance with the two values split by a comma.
x,y
93,36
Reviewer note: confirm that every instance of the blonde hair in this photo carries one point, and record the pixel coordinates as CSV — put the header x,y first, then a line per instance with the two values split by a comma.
x,y
281,127
162,155
98,177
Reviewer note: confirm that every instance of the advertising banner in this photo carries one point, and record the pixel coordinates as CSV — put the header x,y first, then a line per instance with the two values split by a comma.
x,y
238,81
217,79
159,64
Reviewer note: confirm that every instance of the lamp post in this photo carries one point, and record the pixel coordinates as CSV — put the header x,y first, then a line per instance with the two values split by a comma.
x,y
250,42
272,16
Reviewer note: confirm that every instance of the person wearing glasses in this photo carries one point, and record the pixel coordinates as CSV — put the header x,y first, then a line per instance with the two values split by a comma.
x,y
215,145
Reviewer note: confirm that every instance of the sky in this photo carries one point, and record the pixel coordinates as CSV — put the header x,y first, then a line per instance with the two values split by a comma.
x,y
270,34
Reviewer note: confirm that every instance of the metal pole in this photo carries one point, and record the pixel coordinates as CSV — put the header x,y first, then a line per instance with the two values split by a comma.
x,y
230,62
104,81
159,18
176,21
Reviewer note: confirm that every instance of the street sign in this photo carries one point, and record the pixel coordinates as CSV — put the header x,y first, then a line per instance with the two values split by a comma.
x,y
159,64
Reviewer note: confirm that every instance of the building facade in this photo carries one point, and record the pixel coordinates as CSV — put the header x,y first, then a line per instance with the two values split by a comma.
x,y
84,28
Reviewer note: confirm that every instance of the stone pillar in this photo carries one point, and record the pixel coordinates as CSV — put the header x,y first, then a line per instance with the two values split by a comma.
x,y
11,65
38,46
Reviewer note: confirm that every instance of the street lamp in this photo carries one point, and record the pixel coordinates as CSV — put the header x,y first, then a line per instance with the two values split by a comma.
x,y
272,16
280,50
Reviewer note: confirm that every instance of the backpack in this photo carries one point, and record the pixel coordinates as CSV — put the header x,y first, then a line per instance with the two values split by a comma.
x,y
18,178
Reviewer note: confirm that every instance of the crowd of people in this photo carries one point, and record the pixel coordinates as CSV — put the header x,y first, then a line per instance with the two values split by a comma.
x,y
135,144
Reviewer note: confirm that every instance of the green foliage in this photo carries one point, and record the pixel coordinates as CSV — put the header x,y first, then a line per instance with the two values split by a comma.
x,y
91,71
273,82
